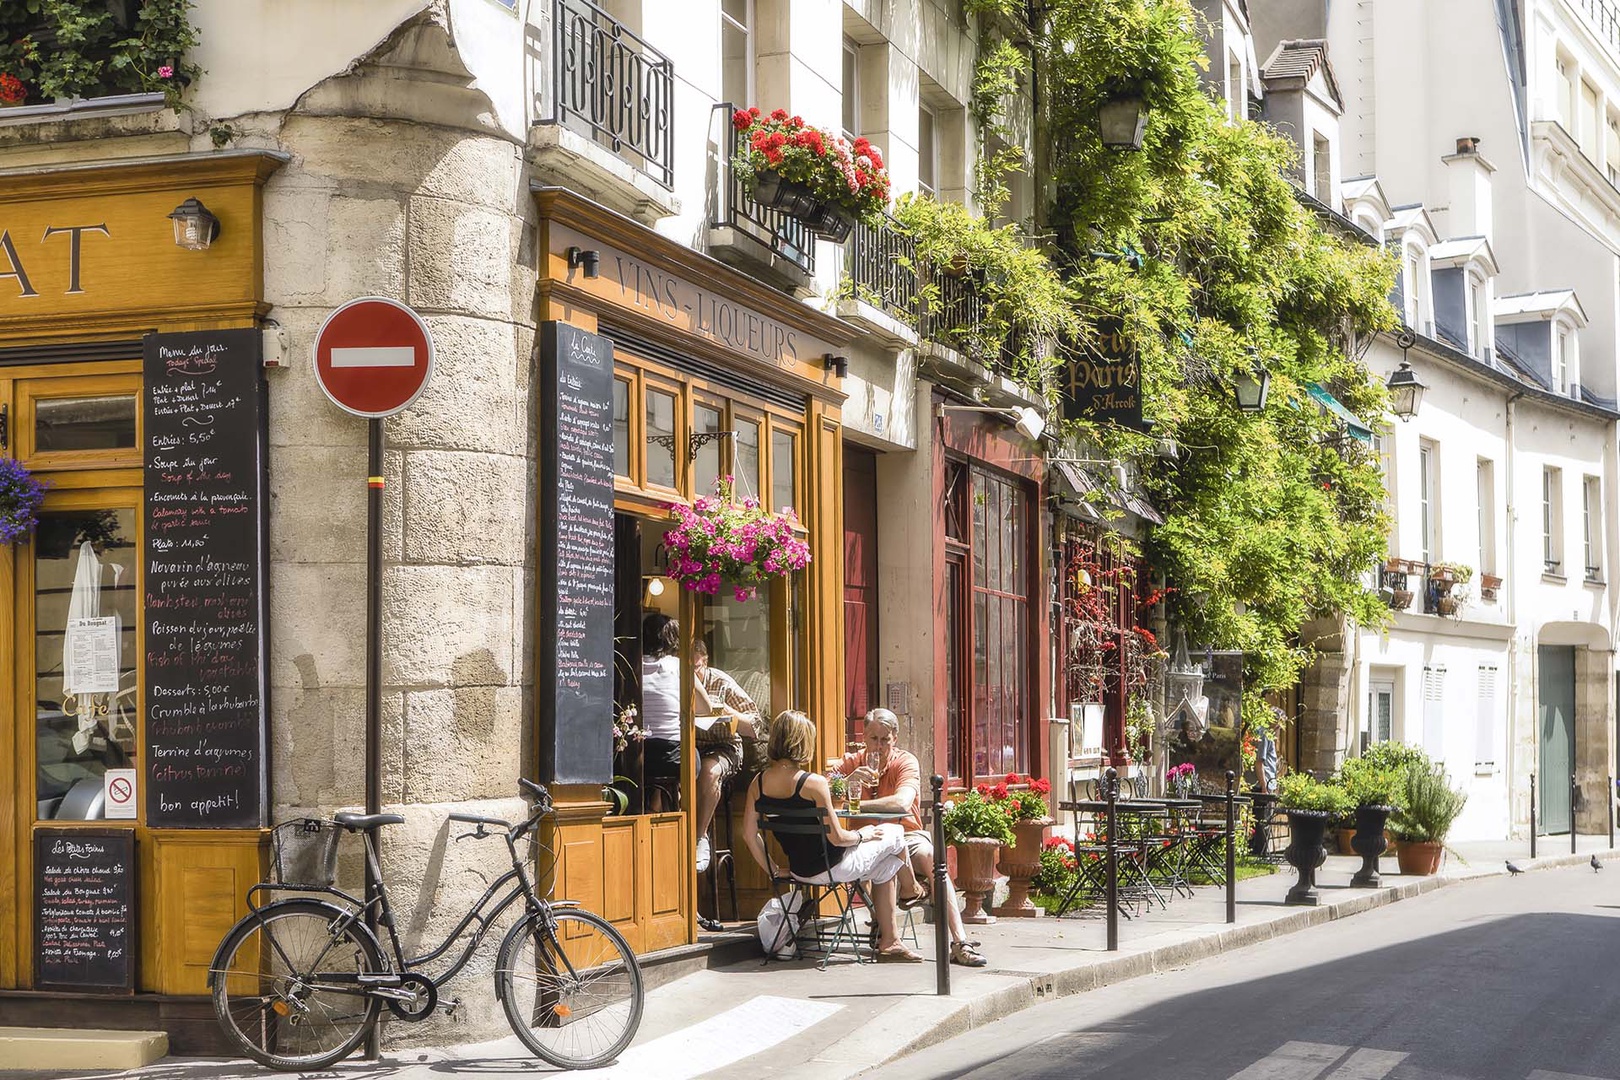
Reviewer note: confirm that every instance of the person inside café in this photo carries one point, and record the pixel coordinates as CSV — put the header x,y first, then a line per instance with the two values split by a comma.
x,y
873,852
661,710
892,784
719,745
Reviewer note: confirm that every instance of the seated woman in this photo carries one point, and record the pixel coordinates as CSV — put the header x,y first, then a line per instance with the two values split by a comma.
x,y
875,852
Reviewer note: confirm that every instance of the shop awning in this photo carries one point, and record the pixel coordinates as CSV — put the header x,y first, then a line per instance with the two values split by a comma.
x,y
1353,424
1081,484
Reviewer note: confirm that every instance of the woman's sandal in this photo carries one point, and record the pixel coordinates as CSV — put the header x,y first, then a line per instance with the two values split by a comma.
x,y
897,954
964,953
917,899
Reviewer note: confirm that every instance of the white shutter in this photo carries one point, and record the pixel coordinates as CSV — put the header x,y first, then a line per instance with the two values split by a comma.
x,y
1434,713
1485,722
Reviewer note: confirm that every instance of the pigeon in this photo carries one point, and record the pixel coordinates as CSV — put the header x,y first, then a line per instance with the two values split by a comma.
x,y
1514,868
1595,864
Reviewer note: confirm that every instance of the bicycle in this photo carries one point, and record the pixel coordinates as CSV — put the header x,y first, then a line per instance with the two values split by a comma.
x,y
298,983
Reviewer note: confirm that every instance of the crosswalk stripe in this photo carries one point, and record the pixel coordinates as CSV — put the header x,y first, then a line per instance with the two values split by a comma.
x,y
1368,1065
1293,1061
721,1040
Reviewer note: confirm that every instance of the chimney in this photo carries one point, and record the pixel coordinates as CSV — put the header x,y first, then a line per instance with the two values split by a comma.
x,y
1470,178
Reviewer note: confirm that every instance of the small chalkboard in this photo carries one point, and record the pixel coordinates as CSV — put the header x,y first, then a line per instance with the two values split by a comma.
x,y
84,910
203,581
575,677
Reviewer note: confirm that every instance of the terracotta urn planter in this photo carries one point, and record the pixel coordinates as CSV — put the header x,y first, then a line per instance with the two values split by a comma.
x,y
1419,859
1021,863
976,876
1307,831
1369,843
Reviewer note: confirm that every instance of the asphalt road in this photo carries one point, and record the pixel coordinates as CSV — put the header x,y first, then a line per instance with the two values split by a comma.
x,y
1505,979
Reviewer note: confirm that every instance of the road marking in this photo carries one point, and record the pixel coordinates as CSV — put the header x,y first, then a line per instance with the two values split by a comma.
x,y
1543,1074
1294,1061
385,356
1368,1065
751,1028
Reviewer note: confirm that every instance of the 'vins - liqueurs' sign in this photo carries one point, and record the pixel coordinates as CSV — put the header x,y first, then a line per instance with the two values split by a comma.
x,y
1103,382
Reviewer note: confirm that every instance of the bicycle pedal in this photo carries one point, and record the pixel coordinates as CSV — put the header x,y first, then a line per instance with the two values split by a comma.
x,y
451,1008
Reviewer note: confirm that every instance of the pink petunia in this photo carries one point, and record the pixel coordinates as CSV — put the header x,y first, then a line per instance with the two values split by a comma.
x,y
165,72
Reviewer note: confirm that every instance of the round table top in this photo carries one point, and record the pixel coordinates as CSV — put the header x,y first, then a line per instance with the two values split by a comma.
x,y
871,815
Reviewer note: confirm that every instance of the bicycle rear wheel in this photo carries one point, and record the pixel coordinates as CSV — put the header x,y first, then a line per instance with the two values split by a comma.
x,y
285,986
571,988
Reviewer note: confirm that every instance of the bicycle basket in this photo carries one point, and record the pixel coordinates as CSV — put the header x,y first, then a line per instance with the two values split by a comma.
x,y
305,853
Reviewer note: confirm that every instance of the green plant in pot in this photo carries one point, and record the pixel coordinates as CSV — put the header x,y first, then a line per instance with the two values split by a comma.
x,y
1374,791
1310,805
977,827
1430,805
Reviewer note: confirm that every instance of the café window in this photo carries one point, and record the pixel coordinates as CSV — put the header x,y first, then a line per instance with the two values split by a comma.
x,y
621,427
661,438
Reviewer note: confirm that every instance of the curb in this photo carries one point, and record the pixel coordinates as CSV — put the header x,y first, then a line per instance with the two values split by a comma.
x,y
942,1018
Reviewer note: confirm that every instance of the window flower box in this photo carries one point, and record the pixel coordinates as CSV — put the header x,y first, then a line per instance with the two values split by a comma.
x,y
811,174
1488,586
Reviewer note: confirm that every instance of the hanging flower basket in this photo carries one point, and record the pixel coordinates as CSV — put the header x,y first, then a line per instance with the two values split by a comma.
x,y
20,499
816,176
740,545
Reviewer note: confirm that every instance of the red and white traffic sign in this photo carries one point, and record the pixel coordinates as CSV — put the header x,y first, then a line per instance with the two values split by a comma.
x,y
373,356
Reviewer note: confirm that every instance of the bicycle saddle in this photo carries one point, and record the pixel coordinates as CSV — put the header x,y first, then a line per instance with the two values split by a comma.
x,y
354,822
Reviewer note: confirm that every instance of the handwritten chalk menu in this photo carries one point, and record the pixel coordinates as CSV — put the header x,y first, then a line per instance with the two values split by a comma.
x,y
203,581
576,556
84,910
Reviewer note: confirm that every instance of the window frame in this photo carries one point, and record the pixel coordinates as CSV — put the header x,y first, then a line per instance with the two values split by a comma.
x,y
1552,525
750,57
1592,528
850,88
930,157
1429,499
1485,500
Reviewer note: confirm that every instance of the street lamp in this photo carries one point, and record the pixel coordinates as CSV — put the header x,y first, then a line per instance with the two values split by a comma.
x,y
1123,121
195,227
1251,384
1405,391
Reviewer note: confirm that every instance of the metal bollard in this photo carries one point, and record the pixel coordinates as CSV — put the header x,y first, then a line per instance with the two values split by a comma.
x,y
1575,792
1231,846
1532,815
1609,798
1111,864
942,928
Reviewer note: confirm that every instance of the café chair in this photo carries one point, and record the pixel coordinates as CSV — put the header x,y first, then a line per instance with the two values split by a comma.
x,y
843,935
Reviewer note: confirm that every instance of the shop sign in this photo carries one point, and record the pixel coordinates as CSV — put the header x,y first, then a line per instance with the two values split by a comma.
x,y
1103,383
627,281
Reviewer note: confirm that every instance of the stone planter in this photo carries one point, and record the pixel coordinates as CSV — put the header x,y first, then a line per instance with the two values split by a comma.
x,y
1369,843
1020,863
1306,851
976,876
1419,859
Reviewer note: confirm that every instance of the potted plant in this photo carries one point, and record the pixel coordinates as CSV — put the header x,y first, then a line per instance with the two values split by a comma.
x,y
1023,800
21,496
977,827
720,541
1488,586
1430,806
816,176
838,787
1375,791
1443,575
1181,780
1310,804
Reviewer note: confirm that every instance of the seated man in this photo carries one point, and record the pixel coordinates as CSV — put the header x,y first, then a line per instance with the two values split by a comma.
x,y
898,780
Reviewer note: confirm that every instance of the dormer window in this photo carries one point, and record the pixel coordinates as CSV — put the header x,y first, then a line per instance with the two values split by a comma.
x,y
1566,361
1413,281
1322,167
1479,317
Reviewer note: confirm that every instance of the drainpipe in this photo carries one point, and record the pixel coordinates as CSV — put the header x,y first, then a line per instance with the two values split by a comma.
x,y
1511,583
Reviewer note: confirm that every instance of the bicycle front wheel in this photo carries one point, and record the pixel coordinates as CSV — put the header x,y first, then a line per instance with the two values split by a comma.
x,y
287,988
571,988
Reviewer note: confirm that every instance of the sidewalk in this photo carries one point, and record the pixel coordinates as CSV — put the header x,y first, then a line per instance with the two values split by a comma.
x,y
790,1020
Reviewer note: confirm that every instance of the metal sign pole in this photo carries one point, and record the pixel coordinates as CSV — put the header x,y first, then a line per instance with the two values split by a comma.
x,y
374,493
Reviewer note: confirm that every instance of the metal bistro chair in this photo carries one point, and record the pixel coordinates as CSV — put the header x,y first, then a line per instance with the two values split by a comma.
x,y
843,934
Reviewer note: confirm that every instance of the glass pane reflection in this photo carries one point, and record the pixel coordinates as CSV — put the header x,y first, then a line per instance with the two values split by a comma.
x,y
89,423
85,692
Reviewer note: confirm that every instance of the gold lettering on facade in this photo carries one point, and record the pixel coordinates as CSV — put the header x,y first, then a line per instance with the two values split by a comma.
x,y
14,264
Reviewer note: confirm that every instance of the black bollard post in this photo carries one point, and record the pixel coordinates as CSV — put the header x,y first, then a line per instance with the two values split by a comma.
x,y
1532,815
1574,793
1609,793
942,928
1111,793
1231,846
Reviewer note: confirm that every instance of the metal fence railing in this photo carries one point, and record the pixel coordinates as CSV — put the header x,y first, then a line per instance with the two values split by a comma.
x,y
882,265
783,234
612,87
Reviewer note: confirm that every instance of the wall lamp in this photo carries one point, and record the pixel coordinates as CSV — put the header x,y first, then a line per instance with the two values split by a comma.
x,y
587,259
195,227
1251,384
1028,422
838,365
1122,121
1405,391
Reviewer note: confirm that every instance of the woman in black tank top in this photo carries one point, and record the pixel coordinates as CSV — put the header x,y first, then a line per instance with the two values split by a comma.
x,y
878,853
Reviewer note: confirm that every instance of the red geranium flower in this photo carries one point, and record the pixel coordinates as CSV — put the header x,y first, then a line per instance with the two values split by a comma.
x,y
12,90
1012,778
983,790
999,791
1040,787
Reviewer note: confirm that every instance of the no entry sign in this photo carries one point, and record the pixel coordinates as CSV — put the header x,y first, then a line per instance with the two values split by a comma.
x,y
373,356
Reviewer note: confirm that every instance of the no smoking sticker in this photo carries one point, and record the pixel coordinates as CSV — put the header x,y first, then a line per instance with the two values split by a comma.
x,y
120,788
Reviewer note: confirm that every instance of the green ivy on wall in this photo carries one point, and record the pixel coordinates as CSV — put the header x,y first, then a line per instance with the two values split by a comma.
x,y
53,49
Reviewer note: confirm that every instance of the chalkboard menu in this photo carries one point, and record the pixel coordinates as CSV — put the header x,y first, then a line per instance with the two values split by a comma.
x,y
84,910
575,680
203,581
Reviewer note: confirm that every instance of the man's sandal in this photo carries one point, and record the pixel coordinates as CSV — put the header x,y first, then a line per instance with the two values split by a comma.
x,y
964,953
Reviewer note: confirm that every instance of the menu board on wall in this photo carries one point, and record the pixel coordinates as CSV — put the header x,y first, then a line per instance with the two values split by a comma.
x,y
575,678
203,580
84,910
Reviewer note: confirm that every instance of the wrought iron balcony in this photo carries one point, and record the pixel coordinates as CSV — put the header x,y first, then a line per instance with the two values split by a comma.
x,y
613,88
778,233
882,265
1605,19
956,319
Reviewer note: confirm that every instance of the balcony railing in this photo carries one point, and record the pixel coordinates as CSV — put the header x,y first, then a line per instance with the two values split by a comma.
x,y
613,88
781,234
957,320
882,264
1605,19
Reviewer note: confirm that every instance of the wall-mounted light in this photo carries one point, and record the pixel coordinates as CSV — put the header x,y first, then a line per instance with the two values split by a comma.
x,y
194,226
1251,384
654,586
1029,423
586,259
1122,121
1405,391
838,365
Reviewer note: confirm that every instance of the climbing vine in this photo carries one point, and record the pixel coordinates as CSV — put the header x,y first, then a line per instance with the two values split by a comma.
x,y
91,48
